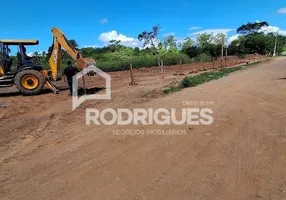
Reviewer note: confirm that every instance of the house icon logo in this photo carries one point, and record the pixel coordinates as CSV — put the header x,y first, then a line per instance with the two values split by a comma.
x,y
77,101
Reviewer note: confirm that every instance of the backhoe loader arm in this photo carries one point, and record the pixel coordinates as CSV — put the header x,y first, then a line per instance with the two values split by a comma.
x,y
60,41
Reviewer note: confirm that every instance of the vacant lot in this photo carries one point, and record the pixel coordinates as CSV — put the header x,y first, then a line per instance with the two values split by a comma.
x,y
47,151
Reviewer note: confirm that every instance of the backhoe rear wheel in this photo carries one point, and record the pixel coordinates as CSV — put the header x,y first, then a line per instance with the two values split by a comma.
x,y
29,82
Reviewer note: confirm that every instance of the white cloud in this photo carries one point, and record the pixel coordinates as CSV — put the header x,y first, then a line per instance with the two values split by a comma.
x,y
232,38
40,53
113,35
104,21
269,29
281,11
92,45
272,29
168,34
194,28
180,40
282,32
214,31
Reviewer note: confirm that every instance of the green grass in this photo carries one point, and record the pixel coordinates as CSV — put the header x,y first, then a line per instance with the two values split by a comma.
x,y
171,90
202,78
206,77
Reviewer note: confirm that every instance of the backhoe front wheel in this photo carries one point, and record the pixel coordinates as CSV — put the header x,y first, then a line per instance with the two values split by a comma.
x,y
29,82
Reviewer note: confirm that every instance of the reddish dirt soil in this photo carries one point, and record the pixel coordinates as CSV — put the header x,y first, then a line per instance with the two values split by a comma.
x,y
47,151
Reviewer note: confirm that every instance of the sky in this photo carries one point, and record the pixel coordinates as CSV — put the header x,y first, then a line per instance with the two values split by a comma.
x,y
93,23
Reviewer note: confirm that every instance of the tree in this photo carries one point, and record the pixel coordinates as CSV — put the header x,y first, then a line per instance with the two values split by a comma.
x,y
205,39
73,43
190,48
207,44
257,43
251,28
219,37
115,42
235,48
44,54
192,51
88,51
188,43
169,43
149,38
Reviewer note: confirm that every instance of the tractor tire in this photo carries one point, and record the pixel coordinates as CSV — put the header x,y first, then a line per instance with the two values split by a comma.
x,y
29,82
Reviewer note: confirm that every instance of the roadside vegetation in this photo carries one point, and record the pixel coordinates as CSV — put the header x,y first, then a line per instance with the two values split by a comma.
x,y
202,78
205,77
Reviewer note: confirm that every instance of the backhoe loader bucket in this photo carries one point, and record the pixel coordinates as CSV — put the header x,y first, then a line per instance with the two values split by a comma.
x,y
85,62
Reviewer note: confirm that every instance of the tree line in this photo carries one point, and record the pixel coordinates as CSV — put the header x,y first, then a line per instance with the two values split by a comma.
x,y
206,46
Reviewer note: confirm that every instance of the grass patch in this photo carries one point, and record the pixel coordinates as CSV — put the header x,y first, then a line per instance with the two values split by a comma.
x,y
171,90
202,78
206,77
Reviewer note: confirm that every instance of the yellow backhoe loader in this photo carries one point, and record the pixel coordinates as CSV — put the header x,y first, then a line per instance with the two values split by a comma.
x,y
31,78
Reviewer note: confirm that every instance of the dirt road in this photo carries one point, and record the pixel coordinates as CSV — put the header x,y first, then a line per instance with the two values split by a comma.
x,y
47,151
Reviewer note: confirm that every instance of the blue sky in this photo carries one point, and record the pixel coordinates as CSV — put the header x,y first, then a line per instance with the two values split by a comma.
x,y
93,23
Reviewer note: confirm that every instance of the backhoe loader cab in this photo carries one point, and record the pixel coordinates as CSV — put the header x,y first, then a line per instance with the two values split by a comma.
x,y
27,76
5,51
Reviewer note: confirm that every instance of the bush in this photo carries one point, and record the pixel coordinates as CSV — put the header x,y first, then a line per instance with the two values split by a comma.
x,y
174,58
120,63
203,57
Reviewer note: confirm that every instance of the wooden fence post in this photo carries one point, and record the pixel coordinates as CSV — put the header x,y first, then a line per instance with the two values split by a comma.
x,y
162,69
181,68
225,57
83,82
131,75
203,67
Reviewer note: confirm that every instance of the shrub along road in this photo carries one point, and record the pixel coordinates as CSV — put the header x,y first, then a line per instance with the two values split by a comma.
x,y
47,151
